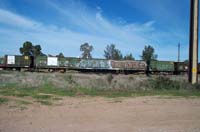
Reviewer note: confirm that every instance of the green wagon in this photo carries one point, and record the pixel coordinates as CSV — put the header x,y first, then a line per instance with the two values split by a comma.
x,y
2,62
162,66
18,62
46,62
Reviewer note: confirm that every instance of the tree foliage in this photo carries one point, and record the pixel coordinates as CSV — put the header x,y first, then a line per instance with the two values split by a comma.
x,y
129,57
186,61
26,49
29,49
60,55
148,54
37,50
86,49
112,53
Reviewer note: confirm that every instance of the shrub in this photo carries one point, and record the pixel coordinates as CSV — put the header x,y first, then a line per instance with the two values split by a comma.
x,y
131,78
161,83
109,78
3,100
69,78
196,86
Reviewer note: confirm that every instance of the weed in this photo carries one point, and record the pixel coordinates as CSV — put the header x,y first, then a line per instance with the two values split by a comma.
x,y
6,72
109,78
13,107
44,102
17,107
197,86
44,97
131,78
161,83
116,100
57,98
107,87
69,79
22,102
23,108
3,100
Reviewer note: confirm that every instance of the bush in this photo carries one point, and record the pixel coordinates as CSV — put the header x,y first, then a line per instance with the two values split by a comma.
x,y
161,83
196,86
69,78
131,78
109,78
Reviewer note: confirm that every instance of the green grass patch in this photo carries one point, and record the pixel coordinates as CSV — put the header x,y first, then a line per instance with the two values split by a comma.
x,y
22,102
13,90
6,72
44,97
3,100
8,85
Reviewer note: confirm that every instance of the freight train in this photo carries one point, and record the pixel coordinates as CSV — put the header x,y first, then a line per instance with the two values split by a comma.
x,y
37,63
18,62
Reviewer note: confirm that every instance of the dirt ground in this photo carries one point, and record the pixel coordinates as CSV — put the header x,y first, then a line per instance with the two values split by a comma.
x,y
98,114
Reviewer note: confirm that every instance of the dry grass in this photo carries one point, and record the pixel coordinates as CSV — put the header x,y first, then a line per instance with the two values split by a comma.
x,y
44,86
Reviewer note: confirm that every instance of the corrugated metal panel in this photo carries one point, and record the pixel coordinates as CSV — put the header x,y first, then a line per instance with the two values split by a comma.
x,y
128,65
162,66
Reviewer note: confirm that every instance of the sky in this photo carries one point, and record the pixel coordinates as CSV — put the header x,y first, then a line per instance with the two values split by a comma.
x,y
63,25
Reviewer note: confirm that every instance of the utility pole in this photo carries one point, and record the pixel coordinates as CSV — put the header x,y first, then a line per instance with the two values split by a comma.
x,y
193,51
178,52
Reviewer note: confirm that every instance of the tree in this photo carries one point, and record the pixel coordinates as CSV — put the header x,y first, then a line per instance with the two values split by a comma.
x,y
26,49
148,55
111,53
37,50
29,49
50,55
186,61
86,49
60,55
129,57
